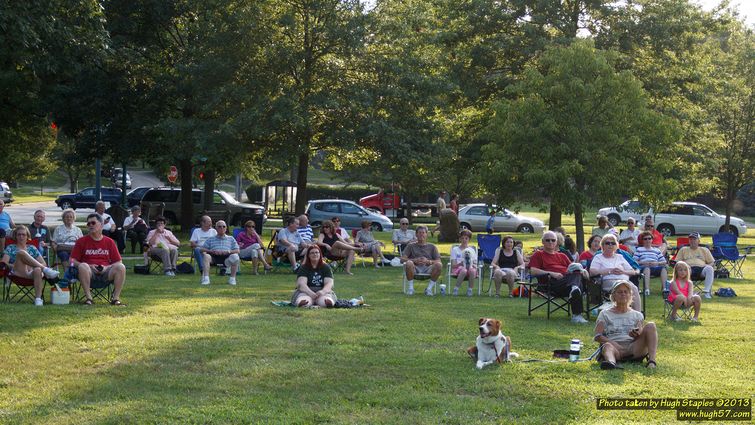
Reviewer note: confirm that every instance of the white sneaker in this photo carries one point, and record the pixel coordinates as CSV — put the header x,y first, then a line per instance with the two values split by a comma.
x,y
50,273
38,302
455,292
169,273
205,280
706,295
232,281
578,319
429,292
469,292
410,291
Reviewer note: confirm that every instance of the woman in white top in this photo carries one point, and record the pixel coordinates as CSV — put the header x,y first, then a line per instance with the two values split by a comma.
x,y
464,262
64,237
629,235
621,332
164,245
612,267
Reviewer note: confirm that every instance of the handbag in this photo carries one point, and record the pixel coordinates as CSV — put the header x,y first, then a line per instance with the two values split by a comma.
x,y
141,268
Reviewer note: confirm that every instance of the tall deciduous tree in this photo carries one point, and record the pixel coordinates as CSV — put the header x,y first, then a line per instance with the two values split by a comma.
x,y
580,133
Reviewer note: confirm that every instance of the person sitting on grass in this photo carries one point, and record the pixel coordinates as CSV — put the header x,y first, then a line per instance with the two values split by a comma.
x,y
369,244
27,262
621,332
335,247
164,245
681,292
506,264
250,245
314,282
221,249
424,258
464,263
96,258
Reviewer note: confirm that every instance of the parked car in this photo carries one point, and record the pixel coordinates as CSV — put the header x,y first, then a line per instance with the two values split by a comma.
x,y
86,198
5,193
350,213
475,218
684,217
620,214
117,178
134,197
224,206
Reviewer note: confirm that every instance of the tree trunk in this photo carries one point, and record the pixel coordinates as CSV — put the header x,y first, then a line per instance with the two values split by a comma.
x,y
554,220
301,183
209,189
730,195
187,207
579,222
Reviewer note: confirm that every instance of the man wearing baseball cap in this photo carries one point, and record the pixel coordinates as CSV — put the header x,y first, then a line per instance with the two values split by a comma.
x,y
700,261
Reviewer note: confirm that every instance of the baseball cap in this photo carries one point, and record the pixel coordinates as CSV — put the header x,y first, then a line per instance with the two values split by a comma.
x,y
694,235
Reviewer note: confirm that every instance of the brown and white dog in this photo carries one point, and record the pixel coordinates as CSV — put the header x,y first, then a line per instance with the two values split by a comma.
x,y
491,346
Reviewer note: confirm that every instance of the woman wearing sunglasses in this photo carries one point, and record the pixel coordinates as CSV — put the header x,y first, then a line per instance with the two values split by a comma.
x,y
26,261
251,246
613,267
650,259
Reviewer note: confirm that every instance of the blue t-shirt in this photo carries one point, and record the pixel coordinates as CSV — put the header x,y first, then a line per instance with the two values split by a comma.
x,y
226,243
12,250
5,221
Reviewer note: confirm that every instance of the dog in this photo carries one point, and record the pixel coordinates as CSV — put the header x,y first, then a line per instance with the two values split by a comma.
x,y
491,346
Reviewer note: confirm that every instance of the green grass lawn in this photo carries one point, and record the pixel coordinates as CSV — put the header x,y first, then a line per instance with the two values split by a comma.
x,y
183,353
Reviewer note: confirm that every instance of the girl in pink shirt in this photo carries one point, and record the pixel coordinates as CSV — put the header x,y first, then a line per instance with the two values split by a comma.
x,y
681,292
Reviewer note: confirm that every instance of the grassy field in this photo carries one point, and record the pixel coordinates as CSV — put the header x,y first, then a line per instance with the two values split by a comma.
x,y
183,353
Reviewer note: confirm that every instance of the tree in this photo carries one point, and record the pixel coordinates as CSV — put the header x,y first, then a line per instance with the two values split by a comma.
x,y
730,99
580,133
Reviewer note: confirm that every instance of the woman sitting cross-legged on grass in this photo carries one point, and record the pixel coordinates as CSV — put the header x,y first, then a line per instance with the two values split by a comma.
x,y
314,281
463,263
369,244
334,246
681,294
621,332
25,261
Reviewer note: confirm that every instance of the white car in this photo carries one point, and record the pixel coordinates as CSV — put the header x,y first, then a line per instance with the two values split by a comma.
x,y
475,218
679,219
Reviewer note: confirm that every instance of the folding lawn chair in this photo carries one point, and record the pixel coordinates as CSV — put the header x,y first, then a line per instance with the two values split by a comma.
x,y
726,253
487,246
668,307
452,278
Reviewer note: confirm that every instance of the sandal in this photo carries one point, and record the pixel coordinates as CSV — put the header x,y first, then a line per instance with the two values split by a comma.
x,y
606,365
651,362
88,301
117,303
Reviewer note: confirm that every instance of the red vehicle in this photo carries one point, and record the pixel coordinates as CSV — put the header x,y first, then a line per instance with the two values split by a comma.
x,y
392,205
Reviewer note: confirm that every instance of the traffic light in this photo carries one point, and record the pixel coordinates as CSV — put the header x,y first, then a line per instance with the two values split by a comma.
x,y
201,175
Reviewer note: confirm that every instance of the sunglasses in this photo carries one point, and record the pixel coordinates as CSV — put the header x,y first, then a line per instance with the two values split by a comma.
x,y
250,227
647,239
91,223
220,226
609,243
404,224
549,240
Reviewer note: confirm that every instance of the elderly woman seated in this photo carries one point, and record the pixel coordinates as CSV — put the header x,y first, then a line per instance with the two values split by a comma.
x,y
621,332
314,281
64,237
613,267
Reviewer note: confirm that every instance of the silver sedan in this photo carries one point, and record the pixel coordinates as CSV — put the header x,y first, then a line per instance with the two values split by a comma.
x,y
475,218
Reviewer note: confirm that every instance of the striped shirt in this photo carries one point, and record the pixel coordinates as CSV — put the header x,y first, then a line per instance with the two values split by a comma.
x,y
306,233
644,255
217,243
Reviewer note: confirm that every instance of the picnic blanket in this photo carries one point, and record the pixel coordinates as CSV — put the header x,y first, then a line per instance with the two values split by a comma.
x,y
342,303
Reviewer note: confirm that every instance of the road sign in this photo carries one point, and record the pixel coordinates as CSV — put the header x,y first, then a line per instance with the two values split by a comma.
x,y
173,174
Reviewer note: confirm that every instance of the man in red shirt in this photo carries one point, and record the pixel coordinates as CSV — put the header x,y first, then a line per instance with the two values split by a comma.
x,y
658,240
96,258
554,266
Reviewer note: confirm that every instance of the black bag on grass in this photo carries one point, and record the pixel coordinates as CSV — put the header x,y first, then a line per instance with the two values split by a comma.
x,y
141,268
184,268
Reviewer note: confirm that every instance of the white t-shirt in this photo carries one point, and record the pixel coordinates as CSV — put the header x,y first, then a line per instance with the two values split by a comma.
x,y
199,235
457,255
602,262
633,234
618,325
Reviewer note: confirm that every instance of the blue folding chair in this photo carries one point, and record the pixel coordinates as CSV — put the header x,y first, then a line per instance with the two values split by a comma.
x,y
487,245
726,253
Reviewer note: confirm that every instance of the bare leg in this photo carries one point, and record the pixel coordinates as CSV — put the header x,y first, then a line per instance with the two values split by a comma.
x,y
85,277
647,343
435,271
460,277
498,278
349,261
206,264
409,269
117,274
696,302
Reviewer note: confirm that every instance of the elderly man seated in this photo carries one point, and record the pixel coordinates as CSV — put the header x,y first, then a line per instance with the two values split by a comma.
x,y
403,236
290,243
305,230
423,258
658,240
700,261
221,249
555,266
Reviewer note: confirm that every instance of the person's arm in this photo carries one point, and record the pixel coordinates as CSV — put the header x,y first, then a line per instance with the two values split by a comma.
x,y
519,259
152,237
301,285
436,257
455,256
234,249
328,287
596,266
494,263
259,239
128,223
674,288
660,259
708,257
394,237
194,239
600,329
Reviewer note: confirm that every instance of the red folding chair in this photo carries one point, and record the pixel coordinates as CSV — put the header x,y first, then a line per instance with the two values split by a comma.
x,y
24,286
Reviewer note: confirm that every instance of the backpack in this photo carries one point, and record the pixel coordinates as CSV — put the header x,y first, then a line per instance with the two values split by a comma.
x,y
185,268
726,292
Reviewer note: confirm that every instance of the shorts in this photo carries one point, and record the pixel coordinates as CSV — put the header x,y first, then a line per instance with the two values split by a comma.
x,y
626,350
226,260
655,271
297,293
423,269
456,270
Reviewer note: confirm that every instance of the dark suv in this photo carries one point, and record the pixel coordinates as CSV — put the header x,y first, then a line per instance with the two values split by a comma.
x,y
224,206
5,193
86,198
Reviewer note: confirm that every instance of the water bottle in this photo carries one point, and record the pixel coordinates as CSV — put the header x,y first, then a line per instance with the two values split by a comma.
x,y
574,350
442,289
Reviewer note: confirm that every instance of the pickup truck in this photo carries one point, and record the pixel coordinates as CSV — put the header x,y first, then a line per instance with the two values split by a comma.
x,y
86,199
